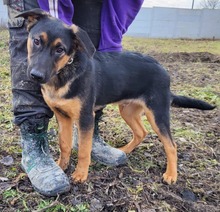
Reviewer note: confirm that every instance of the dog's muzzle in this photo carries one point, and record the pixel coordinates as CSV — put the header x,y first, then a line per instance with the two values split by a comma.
x,y
37,75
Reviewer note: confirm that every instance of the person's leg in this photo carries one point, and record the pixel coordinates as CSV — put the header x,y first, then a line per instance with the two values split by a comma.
x,y
31,113
87,15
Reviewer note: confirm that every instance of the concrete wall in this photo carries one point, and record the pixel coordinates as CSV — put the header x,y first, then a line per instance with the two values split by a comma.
x,y
3,14
176,23
159,22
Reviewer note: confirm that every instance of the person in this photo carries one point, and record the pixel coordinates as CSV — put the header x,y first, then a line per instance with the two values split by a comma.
x,y
105,21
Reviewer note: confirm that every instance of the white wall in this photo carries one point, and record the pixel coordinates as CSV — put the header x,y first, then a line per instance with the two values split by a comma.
x,y
161,22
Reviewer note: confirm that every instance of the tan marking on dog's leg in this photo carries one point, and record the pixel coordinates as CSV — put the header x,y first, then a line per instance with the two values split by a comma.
x,y
65,139
84,155
131,113
170,176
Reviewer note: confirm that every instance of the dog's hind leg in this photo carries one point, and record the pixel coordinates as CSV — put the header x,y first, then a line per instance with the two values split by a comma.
x,y
159,120
131,113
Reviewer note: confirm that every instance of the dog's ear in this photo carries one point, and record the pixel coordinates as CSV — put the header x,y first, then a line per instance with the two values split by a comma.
x,y
83,40
33,16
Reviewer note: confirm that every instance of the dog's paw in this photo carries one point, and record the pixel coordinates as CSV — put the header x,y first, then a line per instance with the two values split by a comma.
x,y
80,176
63,163
170,178
125,149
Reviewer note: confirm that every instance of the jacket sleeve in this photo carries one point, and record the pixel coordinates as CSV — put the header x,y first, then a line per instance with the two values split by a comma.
x,y
116,17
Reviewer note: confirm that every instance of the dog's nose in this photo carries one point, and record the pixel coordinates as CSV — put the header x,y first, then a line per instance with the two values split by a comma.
x,y
36,75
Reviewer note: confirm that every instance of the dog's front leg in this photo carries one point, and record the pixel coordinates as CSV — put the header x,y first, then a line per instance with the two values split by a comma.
x,y
65,139
84,152
84,155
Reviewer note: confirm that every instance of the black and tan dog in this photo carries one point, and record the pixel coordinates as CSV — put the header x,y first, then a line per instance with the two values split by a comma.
x,y
76,80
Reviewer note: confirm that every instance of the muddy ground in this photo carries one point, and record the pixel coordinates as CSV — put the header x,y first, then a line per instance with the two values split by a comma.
x,y
138,185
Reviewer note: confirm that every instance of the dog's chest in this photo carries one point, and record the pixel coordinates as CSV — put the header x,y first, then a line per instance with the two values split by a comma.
x,y
57,103
53,96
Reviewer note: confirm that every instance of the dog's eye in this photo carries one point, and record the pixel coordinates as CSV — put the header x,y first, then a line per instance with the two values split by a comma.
x,y
60,50
36,42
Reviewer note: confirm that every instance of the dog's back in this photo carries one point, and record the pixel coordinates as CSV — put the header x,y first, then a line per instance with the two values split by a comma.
x,y
127,75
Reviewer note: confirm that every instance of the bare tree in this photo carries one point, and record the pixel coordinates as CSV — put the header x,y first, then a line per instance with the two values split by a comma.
x,y
210,4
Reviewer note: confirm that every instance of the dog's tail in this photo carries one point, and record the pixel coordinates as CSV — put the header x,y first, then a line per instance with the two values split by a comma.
x,y
187,102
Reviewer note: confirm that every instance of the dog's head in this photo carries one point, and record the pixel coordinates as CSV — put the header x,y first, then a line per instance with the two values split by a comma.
x,y
52,44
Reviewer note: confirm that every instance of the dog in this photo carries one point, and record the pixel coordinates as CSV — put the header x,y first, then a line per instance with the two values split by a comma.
x,y
76,80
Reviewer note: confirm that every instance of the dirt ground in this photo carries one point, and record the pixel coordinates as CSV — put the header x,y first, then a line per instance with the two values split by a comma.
x,y
138,186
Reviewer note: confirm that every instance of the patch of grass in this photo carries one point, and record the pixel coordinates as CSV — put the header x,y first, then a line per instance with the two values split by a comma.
x,y
11,172
136,190
11,193
59,207
5,86
167,45
14,197
4,53
186,133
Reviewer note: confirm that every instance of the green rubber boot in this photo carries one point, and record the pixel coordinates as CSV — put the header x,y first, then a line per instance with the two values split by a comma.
x,y
45,175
